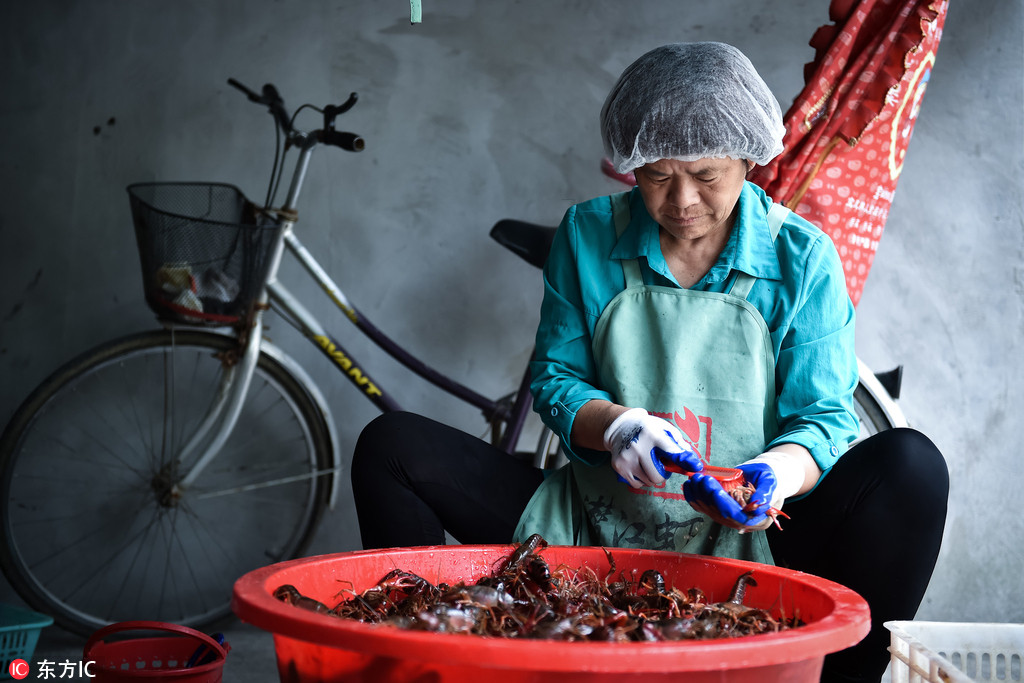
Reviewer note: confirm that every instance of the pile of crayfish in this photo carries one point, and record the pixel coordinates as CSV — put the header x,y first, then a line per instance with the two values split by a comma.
x,y
524,598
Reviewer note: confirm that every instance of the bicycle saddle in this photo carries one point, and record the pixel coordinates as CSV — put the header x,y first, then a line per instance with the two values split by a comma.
x,y
529,241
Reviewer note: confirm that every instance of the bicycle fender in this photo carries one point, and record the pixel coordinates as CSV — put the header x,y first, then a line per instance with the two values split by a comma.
x,y
877,390
293,367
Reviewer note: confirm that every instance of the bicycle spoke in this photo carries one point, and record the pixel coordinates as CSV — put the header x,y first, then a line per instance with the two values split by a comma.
x,y
98,443
267,484
173,540
70,452
124,581
201,530
102,566
128,411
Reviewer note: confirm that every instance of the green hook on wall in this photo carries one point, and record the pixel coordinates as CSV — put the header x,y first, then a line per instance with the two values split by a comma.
x,y
415,12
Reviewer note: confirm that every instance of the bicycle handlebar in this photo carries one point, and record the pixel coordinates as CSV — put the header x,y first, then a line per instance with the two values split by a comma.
x,y
347,141
271,99
252,96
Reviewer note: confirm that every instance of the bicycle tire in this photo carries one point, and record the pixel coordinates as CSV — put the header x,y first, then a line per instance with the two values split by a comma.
x,y
875,408
91,533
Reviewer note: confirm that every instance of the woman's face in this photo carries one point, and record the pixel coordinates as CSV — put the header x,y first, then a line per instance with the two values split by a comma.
x,y
692,199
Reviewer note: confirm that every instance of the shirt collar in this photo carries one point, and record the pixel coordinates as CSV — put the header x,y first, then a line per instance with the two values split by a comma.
x,y
750,248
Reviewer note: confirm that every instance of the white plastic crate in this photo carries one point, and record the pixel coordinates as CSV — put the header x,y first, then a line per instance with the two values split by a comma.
x,y
957,652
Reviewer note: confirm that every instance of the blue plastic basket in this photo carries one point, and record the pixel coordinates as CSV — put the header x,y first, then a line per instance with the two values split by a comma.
x,y
19,633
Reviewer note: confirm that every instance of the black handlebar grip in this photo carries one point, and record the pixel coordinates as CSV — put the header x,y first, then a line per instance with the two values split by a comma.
x,y
348,141
249,93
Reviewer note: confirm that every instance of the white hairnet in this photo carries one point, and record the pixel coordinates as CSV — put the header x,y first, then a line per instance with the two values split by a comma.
x,y
690,101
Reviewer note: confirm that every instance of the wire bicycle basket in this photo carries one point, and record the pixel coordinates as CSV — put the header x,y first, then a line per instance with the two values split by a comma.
x,y
204,250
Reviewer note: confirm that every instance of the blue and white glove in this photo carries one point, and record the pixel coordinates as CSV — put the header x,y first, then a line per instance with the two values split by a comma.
x,y
639,441
775,476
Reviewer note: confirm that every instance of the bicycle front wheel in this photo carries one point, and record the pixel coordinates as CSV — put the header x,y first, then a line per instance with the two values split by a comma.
x,y
94,530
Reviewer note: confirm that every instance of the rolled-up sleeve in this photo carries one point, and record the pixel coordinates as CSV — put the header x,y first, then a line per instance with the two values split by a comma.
x,y
563,372
816,369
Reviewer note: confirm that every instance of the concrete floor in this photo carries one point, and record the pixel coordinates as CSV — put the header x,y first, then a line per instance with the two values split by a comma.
x,y
486,111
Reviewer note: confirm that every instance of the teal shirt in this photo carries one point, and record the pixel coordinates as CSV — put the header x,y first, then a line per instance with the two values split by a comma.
x,y
800,292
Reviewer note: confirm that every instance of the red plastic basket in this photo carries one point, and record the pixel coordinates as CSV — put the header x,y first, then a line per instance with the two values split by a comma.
x,y
313,647
120,658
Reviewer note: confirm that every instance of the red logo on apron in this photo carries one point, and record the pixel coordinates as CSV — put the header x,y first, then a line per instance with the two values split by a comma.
x,y
696,429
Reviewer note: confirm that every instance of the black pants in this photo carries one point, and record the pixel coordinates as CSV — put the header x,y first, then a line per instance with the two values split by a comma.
x,y
873,525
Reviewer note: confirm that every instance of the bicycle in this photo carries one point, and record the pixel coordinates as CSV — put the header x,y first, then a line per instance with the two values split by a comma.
x,y
207,450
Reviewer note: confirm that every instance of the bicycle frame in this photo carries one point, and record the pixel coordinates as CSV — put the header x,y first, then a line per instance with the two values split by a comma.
x,y
231,395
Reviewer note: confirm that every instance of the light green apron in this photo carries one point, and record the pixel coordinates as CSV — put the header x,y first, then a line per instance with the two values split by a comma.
x,y
701,359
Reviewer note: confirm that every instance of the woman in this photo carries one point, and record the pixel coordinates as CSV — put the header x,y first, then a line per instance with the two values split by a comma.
x,y
686,323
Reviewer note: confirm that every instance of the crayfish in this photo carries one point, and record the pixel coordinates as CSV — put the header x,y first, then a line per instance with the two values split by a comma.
x,y
735,484
525,598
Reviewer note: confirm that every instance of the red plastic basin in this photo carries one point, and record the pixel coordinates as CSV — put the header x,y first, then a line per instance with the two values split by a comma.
x,y
315,648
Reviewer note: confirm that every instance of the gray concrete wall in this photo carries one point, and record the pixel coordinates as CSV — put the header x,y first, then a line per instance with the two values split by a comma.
x,y
488,110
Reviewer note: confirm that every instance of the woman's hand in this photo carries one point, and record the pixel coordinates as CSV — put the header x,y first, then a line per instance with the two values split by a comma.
x,y
706,496
639,441
774,475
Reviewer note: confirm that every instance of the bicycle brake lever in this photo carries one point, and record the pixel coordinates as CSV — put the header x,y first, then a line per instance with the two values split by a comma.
x,y
270,95
275,103
332,111
349,103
